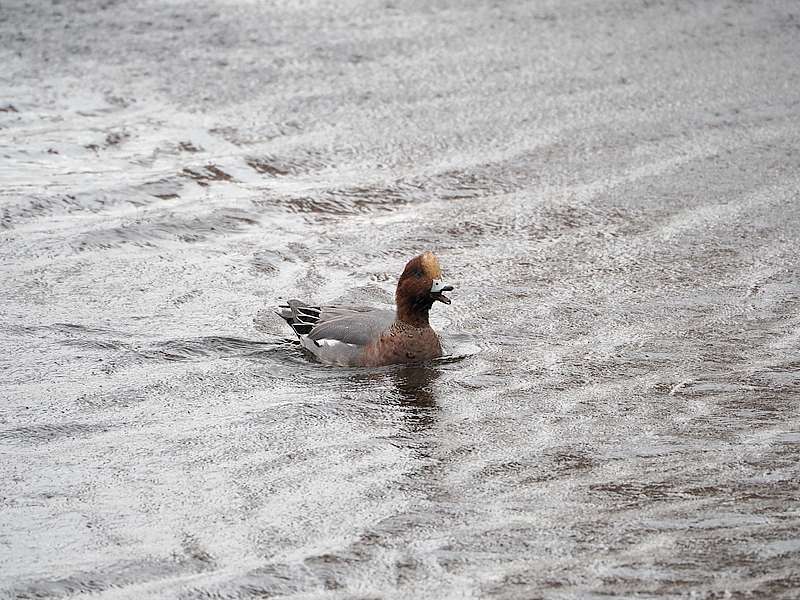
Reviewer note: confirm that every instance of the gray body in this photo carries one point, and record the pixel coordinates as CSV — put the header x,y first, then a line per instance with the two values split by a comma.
x,y
337,335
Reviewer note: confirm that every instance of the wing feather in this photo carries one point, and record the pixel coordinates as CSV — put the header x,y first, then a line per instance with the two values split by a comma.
x,y
353,325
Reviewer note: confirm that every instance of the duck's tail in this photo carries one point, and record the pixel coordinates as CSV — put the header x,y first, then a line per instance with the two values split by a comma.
x,y
300,316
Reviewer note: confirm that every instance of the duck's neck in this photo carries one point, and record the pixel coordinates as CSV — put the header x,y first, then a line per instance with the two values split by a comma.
x,y
413,313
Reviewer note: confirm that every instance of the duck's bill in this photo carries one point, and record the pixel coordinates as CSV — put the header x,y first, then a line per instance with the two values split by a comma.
x,y
436,291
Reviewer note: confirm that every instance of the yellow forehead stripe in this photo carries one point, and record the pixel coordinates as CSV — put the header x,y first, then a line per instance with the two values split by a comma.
x,y
430,264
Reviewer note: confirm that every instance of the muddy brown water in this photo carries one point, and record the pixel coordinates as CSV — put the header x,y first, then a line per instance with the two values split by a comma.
x,y
613,189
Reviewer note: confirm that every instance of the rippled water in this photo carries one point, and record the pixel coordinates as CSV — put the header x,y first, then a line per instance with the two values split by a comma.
x,y
613,189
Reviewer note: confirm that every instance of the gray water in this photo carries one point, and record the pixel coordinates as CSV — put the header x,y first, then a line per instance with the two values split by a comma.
x,y
612,187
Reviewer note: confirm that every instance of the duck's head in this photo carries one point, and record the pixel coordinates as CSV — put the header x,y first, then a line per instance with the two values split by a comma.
x,y
419,287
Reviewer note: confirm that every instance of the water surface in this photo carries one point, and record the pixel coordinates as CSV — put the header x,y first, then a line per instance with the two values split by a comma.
x,y
611,187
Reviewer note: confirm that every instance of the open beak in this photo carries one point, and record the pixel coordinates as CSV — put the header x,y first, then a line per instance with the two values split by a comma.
x,y
436,291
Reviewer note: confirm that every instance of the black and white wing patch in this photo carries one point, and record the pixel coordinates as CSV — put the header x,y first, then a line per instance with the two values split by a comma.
x,y
300,316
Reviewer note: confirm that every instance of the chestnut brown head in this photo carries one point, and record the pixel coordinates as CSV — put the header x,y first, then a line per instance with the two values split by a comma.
x,y
419,287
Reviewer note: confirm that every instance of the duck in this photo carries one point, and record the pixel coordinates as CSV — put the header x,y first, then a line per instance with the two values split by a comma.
x,y
362,336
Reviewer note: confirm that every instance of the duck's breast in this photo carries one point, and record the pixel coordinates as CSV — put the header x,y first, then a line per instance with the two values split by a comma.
x,y
403,345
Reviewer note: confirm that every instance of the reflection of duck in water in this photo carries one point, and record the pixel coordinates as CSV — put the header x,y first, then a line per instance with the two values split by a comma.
x,y
369,337
414,383
406,394
417,395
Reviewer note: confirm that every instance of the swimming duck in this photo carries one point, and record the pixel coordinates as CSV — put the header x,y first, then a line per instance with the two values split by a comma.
x,y
371,337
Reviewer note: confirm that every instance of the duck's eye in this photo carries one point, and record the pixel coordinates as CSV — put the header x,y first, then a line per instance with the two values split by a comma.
x,y
417,273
